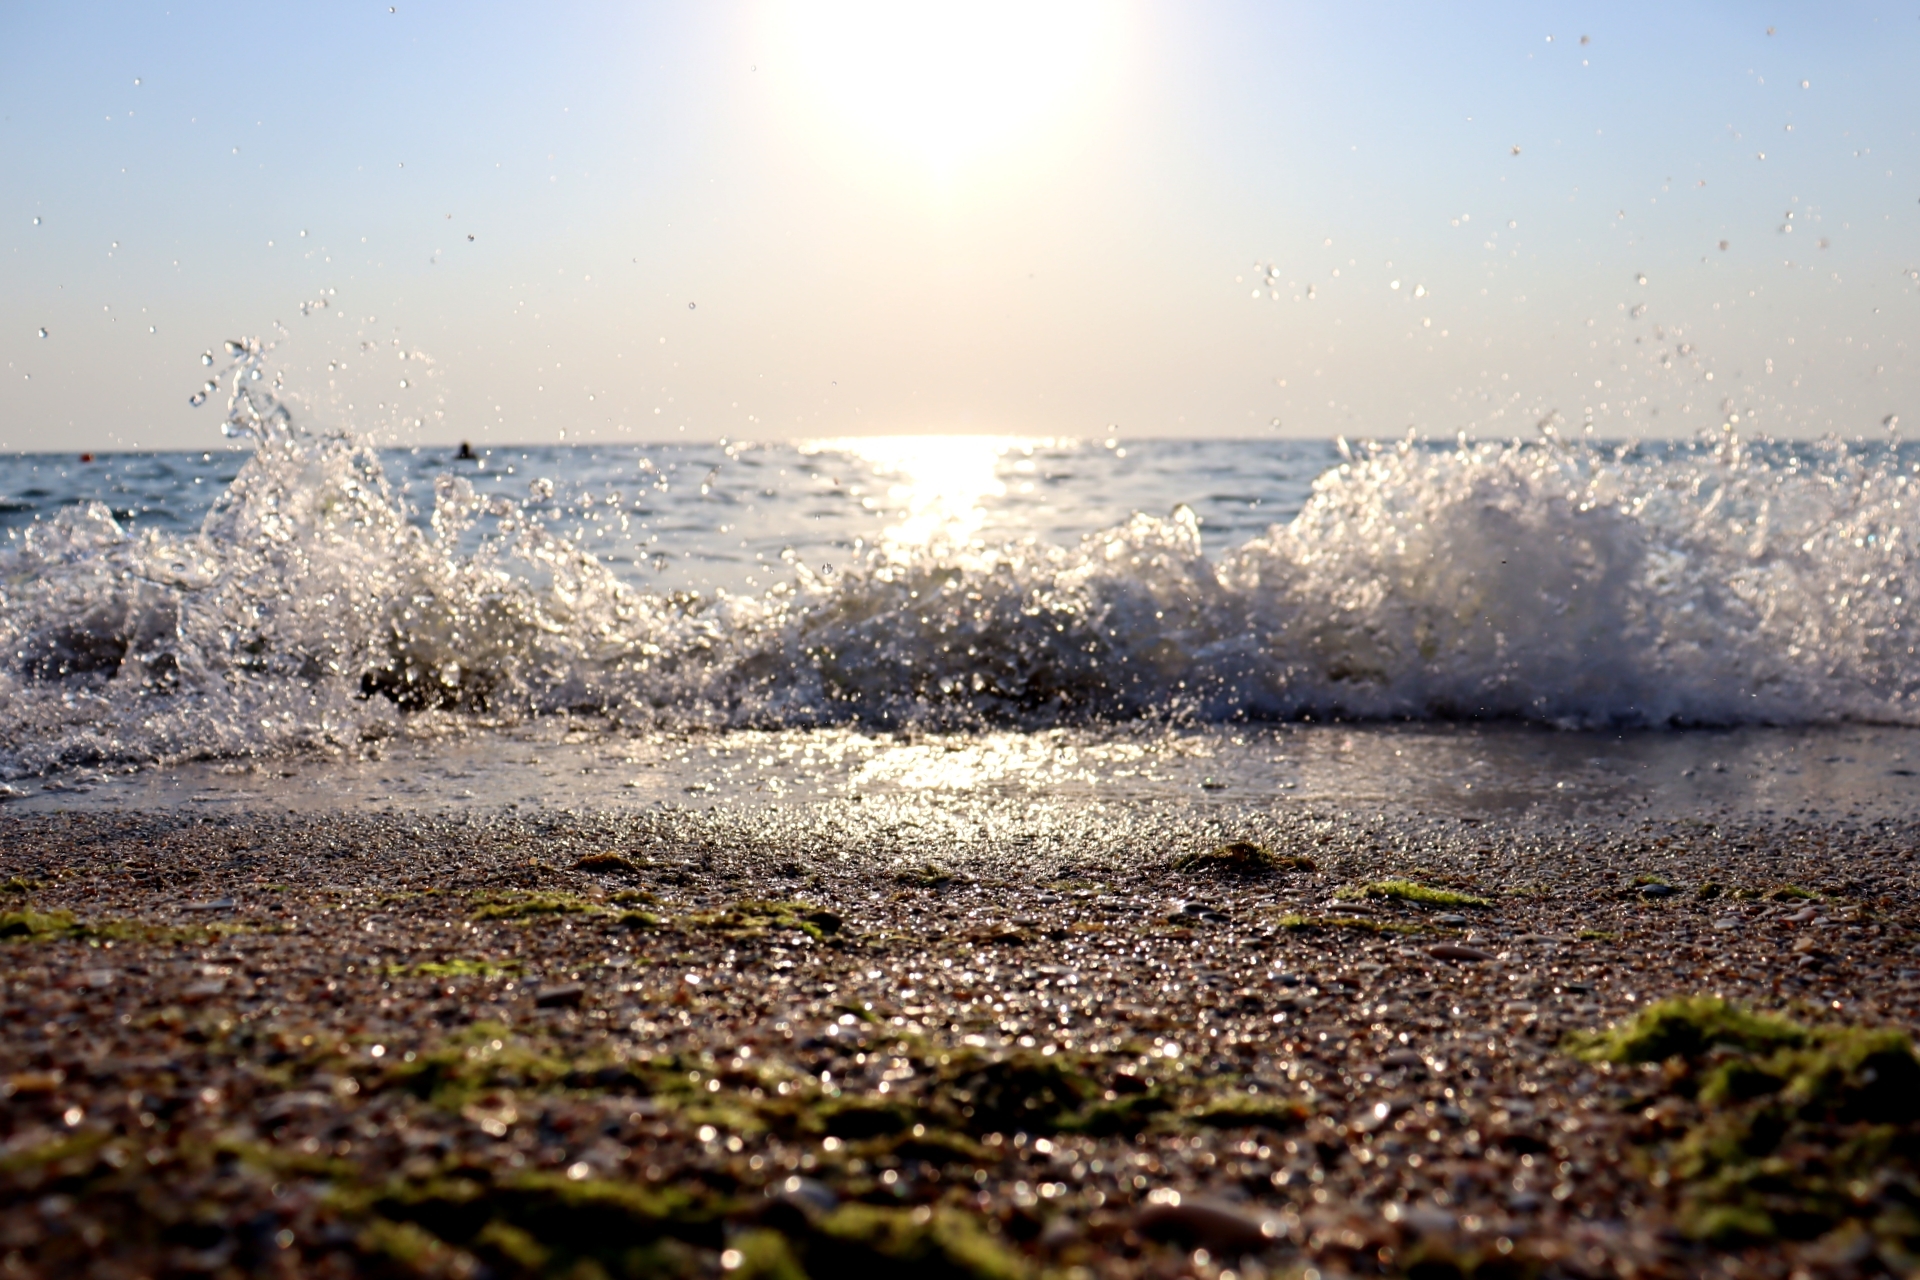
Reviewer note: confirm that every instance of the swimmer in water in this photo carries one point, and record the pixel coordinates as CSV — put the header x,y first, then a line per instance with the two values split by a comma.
x,y
466,453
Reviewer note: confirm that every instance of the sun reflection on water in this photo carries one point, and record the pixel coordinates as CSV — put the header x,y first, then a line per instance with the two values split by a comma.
x,y
937,487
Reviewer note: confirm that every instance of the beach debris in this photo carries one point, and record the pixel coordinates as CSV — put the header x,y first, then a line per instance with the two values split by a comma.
x,y
1188,912
927,875
608,864
1242,858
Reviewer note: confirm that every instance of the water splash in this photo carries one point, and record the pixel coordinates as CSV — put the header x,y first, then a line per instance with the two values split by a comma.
x,y
1718,582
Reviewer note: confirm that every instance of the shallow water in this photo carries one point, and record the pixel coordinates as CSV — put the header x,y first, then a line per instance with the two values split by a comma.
x,y
1505,773
1156,602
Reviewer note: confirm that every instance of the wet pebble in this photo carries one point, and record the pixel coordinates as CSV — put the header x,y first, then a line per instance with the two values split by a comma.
x,y
1454,951
1213,1224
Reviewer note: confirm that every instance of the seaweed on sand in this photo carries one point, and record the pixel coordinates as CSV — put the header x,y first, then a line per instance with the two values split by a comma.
x,y
1796,1132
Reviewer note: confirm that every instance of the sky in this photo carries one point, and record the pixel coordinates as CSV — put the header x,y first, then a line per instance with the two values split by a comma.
x,y
528,223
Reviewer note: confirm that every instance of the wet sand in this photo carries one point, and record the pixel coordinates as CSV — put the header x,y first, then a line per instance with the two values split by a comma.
x,y
858,1036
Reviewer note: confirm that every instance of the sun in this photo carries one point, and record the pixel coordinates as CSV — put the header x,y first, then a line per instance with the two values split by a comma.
x,y
945,82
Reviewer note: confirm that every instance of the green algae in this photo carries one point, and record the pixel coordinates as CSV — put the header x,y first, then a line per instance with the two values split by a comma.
x,y
936,1243
1247,1111
541,1224
755,918
461,968
1293,923
528,906
28,925
1686,1027
534,1224
1794,1131
1412,891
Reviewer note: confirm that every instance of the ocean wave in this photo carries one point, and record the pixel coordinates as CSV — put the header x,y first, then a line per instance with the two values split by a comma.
x,y
1717,582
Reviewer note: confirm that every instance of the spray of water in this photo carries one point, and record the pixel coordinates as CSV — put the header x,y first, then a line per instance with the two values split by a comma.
x,y
1718,582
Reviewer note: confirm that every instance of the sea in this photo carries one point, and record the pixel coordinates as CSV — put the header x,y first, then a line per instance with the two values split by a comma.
x,y
1559,626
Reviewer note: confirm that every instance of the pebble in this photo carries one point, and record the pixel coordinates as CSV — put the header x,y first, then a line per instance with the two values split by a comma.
x,y
1728,922
1454,951
1657,891
1450,920
217,904
1213,1224
810,1195
567,996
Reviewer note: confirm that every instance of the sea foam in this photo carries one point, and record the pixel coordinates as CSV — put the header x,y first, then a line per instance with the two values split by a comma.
x,y
1716,582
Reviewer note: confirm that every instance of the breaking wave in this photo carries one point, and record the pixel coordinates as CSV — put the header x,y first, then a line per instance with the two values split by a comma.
x,y
1716,582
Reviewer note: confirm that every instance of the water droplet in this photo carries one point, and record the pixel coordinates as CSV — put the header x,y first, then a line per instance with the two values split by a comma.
x,y
1724,244
1512,225
206,357
826,571
1419,291
235,346
469,235
1395,284
36,221
43,333
1516,148
403,384
1640,279
1310,291
254,375
689,306
197,399
136,79
1806,84
303,234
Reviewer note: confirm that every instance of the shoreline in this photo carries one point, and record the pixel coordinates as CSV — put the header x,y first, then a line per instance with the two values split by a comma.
x,y
821,1037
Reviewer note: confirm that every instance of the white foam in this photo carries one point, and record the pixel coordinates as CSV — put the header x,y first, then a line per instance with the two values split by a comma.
x,y
1556,582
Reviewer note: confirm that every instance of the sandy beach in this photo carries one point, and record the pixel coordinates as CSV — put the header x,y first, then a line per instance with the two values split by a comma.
x,y
846,1039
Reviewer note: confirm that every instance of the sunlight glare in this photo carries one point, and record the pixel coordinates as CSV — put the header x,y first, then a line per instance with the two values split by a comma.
x,y
943,80
937,486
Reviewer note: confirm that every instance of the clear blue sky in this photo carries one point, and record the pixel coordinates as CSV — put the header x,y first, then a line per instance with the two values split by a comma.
x,y
982,222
